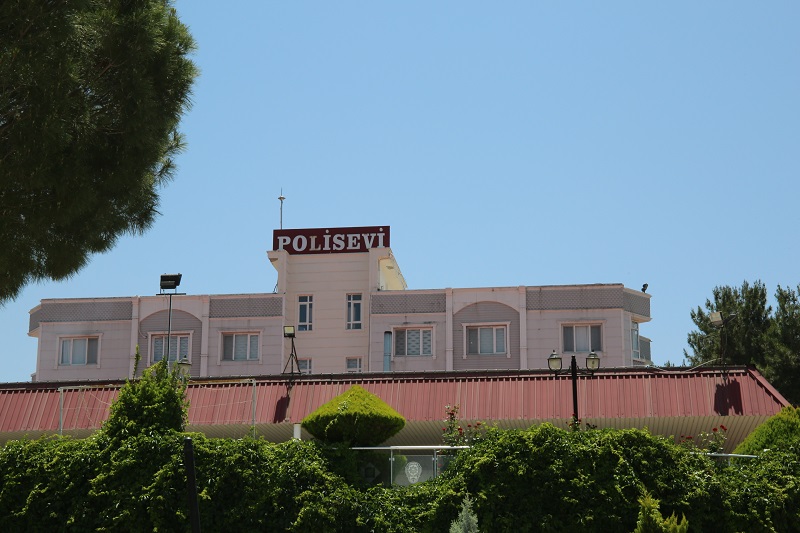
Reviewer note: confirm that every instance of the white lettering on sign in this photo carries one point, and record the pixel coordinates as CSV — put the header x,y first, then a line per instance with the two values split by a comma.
x,y
331,240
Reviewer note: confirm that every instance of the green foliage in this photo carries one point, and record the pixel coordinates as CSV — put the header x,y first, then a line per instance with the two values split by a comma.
x,y
651,521
782,361
757,335
762,495
44,484
743,339
583,481
466,522
356,417
155,403
91,94
779,432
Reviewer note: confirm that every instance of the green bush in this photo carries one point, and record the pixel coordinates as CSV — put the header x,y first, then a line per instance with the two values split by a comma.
x,y
583,481
44,484
356,417
779,432
156,402
651,520
762,494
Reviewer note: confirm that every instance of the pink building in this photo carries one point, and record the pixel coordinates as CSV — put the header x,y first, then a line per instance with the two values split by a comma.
x,y
344,293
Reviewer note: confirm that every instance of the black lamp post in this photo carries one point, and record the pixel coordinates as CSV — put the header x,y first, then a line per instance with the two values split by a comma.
x,y
170,282
592,364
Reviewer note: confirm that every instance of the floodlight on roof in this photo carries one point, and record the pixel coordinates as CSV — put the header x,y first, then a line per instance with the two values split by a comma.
x,y
170,281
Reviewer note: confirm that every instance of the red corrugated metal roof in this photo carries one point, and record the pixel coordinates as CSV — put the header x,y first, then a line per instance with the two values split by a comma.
x,y
669,402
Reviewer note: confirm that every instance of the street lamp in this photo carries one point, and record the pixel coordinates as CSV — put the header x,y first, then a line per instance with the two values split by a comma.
x,y
170,282
592,364
719,320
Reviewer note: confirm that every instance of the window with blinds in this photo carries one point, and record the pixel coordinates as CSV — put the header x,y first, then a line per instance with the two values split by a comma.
x,y
178,347
413,342
240,347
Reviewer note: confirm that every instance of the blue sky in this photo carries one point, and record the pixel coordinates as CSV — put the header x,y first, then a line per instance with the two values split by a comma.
x,y
506,144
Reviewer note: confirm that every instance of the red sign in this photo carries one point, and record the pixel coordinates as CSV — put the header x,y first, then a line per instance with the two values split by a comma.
x,y
330,240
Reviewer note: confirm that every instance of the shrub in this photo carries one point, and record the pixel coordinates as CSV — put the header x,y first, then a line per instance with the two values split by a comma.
x,y
466,522
356,417
779,432
651,521
154,403
583,481
762,494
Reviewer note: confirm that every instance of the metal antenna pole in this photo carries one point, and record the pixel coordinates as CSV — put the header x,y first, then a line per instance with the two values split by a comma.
x,y
281,198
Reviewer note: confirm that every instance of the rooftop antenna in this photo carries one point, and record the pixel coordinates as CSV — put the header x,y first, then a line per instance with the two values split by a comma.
x,y
281,198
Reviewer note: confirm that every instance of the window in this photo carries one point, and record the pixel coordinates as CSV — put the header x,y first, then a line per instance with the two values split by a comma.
x,y
413,342
583,338
79,351
486,340
178,347
305,307
240,347
353,311
304,366
353,365
635,340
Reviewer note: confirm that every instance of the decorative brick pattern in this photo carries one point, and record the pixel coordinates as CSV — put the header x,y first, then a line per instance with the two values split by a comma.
x,y
590,297
245,307
639,305
82,311
405,303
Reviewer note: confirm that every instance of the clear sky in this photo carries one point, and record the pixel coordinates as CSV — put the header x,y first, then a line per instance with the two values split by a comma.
x,y
505,143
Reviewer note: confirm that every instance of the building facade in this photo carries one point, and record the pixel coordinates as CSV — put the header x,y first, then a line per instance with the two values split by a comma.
x,y
343,292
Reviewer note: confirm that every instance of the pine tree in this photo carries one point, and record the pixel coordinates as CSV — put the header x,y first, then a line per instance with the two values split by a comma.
x,y
466,522
91,93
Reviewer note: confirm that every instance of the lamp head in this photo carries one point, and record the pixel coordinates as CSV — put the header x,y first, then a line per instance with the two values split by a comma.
x,y
170,281
592,362
554,362
288,332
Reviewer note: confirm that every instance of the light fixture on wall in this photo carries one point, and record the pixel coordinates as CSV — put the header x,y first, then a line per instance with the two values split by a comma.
x,y
555,365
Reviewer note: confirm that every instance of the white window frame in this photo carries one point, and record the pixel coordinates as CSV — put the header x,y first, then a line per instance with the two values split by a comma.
x,y
249,334
414,327
175,336
307,363
72,339
358,369
588,324
355,311
636,346
305,304
505,326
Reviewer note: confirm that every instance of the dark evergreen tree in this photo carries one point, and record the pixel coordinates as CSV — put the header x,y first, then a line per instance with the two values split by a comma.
x,y
756,335
91,93
744,339
782,364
